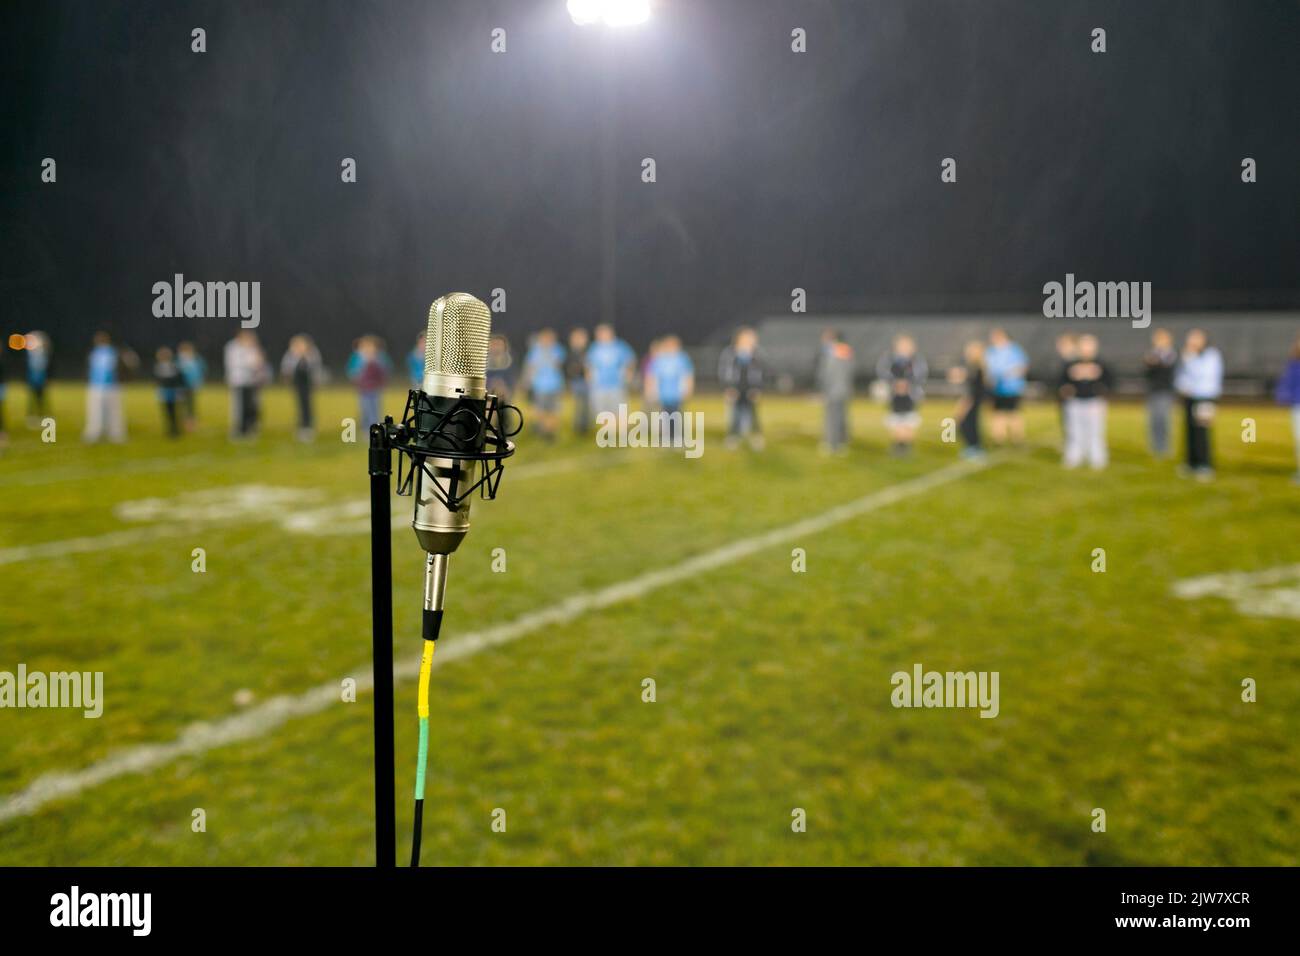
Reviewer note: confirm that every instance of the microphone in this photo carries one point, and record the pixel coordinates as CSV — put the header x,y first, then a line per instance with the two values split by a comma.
x,y
450,416
451,431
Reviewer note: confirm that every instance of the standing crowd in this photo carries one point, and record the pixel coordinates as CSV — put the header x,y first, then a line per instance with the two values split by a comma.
x,y
996,373
600,371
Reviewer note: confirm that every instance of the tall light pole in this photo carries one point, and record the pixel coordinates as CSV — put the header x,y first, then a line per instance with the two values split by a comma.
x,y
611,14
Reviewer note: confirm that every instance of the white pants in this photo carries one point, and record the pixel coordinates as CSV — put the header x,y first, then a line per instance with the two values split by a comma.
x,y
1295,431
1085,432
104,413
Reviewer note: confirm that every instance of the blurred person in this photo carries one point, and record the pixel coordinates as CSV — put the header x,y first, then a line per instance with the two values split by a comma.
x,y
1288,393
193,370
415,363
971,375
835,380
644,370
1085,385
544,382
670,380
575,373
103,392
1007,366
904,373
167,376
1161,362
1199,380
610,364
245,368
4,436
1066,350
740,371
36,349
301,368
369,368
501,372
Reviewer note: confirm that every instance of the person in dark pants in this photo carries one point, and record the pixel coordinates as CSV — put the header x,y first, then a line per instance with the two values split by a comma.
x,y
971,375
36,347
575,373
1288,393
193,369
245,366
1199,380
301,367
4,436
1161,362
167,374
740,371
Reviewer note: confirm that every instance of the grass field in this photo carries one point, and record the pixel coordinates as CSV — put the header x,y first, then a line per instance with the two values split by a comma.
x,y
773,687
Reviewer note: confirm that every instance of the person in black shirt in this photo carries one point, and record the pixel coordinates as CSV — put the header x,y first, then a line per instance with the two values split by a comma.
x,y
4,437
170,385
1085,385
301,366
740,370
971,374
1161,363
903,372
575,373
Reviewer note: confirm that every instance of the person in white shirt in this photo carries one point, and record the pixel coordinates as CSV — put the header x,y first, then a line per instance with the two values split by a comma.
x,y
245,367
1199,380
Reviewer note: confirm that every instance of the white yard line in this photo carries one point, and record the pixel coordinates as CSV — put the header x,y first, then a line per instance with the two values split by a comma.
x,y
92,472
261,720
136,535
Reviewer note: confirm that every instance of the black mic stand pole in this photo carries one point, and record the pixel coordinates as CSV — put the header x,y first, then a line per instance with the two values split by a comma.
x,y
381,597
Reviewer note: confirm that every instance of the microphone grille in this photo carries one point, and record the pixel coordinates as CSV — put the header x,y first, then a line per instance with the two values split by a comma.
x,y
456,340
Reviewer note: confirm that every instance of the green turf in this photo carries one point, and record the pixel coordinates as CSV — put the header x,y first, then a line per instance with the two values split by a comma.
x,y
773,687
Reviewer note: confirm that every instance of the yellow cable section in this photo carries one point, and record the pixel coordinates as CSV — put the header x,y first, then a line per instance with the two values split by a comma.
x,y
426,665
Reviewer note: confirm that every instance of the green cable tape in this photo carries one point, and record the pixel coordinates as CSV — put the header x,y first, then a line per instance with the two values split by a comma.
x,y
422,759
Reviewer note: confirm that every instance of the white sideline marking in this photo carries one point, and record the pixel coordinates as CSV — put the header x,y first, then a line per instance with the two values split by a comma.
x,y
258,721
49,476
1272,592
351,516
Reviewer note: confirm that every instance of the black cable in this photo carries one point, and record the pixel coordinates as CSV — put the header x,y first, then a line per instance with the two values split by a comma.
x,y
415,838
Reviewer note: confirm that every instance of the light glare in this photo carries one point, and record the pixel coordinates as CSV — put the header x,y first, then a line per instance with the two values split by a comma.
x,y
613,13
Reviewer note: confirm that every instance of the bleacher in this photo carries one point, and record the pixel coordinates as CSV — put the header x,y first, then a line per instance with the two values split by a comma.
x,y
1254,344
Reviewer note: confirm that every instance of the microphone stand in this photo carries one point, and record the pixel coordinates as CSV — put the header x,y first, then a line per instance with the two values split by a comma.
x,y
407,438
381,598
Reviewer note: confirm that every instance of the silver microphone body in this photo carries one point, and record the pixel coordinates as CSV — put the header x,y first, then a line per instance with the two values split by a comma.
x,y
455,367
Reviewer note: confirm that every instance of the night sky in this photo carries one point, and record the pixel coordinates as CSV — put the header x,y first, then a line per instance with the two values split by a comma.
x,y
479,170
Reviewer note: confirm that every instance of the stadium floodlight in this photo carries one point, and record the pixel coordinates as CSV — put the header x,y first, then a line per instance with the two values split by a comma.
x,y
612,13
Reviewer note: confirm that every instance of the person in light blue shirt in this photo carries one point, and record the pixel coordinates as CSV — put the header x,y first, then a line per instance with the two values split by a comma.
x,y
544,382
193,371
1288,393
103,395
1199,380
610,362
415,363
671,379
1007,366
